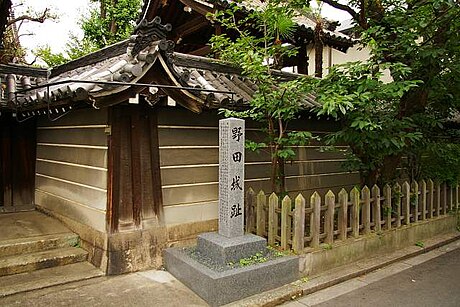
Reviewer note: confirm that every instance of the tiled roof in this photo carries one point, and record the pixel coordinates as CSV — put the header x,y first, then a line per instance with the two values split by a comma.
x,y
207,73
111,76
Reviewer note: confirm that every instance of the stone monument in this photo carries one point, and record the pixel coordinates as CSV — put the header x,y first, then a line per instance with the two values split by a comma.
x,y
231,177
209,278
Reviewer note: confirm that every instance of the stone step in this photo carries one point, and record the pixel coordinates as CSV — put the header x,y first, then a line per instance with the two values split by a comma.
x,y
41,279
37,243
40,260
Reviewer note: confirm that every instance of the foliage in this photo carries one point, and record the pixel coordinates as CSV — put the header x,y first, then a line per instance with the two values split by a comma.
x,y
75,48
441,162
367,108
51,59
251,260
277,252
11,50
256,47
418,43
113,21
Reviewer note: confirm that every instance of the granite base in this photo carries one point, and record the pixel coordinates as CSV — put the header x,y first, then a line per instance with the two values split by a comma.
x,y
222,287
222,250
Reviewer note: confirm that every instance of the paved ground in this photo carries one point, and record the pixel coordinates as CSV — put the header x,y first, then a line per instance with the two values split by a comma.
x,y
150,288
430,279
435,282
28,224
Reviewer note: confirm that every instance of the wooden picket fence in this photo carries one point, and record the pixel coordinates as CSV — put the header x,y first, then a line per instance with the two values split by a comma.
x,y
296,225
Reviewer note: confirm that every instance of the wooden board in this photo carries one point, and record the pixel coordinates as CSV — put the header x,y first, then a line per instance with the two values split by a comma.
x,y
134,174
17,167
71,174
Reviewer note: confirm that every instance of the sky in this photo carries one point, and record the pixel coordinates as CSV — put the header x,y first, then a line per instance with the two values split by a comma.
x,y
52,33
56,33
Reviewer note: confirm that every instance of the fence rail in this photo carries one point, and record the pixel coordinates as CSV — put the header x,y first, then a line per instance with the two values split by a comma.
x,y
322,220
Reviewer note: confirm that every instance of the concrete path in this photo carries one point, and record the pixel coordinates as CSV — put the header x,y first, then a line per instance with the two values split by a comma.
x,y
150,288
431,279
159,288
28,224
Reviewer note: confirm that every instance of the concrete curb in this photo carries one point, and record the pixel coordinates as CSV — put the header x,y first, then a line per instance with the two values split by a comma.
x,y
338,275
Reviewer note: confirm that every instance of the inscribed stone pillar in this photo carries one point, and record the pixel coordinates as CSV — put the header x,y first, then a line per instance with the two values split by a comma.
x,y
231,177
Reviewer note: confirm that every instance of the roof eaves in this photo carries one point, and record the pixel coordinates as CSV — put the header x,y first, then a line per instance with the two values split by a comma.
x,y
215,75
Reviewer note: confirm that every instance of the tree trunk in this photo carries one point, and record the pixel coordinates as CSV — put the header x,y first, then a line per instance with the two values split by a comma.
x,y
113,24
103,9
318,50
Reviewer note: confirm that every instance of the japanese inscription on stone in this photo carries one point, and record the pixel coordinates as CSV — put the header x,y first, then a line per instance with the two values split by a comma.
x,y
231,177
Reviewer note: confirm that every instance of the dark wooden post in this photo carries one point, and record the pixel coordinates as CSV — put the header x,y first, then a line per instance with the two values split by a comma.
x,y
134,188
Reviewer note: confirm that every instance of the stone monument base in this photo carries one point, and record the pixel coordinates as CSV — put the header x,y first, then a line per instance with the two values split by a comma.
x,y
222,286
222,250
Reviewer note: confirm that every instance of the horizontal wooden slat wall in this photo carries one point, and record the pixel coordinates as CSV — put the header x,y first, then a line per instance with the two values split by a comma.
x,y
71,168
189,157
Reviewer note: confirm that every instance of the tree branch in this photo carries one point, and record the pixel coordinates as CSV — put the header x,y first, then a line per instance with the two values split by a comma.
x,y
343,7
40,19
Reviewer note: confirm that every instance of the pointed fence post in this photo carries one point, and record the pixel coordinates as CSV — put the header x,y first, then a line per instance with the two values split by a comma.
x,y
438,198
430,198
423,200
260,224
299,225
366,194
406,202
414,200
398,195
377,204
343,214
272,219
456,197
315,203
285,228
444,199
387,205
329,220
451,198
355,199
250,218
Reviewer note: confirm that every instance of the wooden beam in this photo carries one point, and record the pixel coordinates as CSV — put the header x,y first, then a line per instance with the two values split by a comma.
x,y
205,50
155,164
136,165
198,7
190,27
113,173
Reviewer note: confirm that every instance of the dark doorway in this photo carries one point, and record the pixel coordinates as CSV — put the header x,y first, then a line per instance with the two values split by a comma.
x,y
17,163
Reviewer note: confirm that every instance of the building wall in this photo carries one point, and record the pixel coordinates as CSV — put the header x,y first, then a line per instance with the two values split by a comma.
x,y
188,146
71,166
332,57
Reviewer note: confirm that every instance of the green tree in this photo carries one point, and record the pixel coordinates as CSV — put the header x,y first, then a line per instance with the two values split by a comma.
x,y
11,50
418,42
108,23
255,44
112,22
